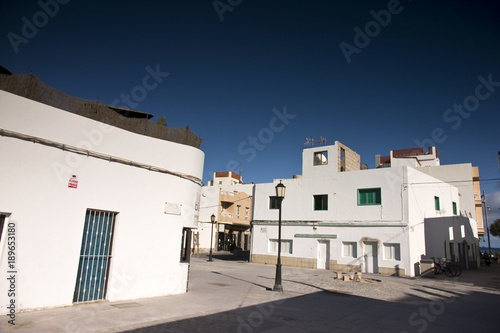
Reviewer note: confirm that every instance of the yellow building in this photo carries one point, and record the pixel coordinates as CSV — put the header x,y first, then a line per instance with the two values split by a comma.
x,y
478,202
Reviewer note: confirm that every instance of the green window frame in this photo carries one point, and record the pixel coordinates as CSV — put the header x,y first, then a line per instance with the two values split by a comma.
x,y
320,202
273,202
437,205
369,196
455,211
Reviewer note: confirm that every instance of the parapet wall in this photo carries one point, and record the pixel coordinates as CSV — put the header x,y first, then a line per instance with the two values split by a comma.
x,y
29,86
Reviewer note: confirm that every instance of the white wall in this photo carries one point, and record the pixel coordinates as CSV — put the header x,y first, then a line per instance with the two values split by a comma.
x,y
461,177
422,189
341,189
307,247
50,216
442,231
209,203
407,199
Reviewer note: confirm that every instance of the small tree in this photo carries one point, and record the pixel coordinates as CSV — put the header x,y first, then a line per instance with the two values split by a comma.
x,y
495,228
162,121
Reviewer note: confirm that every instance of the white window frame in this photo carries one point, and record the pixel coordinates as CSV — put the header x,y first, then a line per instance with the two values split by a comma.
x,y
286,246
392,251
349,249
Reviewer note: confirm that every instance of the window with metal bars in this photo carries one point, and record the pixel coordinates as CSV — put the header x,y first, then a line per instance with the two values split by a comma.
x,y
95,256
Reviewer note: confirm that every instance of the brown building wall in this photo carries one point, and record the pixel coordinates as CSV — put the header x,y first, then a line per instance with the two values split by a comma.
x,y
230,200
348,159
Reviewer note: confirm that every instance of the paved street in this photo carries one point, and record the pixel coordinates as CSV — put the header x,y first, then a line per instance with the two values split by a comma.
x,y
234,296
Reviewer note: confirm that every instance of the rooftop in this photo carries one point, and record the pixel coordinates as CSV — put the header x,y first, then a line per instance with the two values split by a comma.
x,y
29,86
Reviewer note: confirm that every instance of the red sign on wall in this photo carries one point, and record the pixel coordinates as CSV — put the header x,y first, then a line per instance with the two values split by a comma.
x,y
73,182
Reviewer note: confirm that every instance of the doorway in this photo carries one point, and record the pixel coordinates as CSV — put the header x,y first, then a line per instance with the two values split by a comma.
x,y
371,257
95,256
323,254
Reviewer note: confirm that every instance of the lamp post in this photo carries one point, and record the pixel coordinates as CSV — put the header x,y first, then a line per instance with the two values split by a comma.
x,y
483,197
280,195
212,219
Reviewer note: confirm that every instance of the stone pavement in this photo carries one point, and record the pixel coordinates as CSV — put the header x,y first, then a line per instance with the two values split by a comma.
x,y
234,296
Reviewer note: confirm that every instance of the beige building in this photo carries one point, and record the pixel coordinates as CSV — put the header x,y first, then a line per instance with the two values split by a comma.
x,y
477,199
234,216
230,201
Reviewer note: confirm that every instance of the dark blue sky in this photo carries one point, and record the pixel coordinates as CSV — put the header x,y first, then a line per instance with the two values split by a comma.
x,y
226,76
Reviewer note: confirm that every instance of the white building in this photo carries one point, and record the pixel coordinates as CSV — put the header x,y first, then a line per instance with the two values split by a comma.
x,y
336,216
97,212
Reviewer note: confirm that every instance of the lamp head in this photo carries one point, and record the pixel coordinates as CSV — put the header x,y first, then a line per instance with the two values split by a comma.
x,y
280,190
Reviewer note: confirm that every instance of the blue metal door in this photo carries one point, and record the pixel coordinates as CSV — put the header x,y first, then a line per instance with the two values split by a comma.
x,y
95,255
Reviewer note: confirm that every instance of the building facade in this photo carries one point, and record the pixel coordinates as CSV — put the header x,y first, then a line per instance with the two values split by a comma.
x,y
348,219
97,212
230,201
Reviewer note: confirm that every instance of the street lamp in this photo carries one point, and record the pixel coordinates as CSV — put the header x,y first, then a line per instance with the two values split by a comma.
x,y
212,219
280,195
483,197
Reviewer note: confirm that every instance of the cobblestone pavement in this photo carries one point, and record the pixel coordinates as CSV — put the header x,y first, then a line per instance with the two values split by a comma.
x,y
235,296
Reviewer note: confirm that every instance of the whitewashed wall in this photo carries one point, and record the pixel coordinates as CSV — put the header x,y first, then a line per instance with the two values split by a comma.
x,y
341,189
422,189
407,199
50,216
461,176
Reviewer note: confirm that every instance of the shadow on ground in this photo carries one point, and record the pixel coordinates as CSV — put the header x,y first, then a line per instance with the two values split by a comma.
x,y
330,312
485,276
228,256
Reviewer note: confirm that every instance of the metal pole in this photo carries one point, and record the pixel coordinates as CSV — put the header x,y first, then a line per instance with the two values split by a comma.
x,y
486,220
277,282
211,242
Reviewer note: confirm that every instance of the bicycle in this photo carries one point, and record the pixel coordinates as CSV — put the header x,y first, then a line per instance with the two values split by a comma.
x,y
451,270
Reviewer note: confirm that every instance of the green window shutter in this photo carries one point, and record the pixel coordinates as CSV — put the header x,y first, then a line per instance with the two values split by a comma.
x,y
273,203
369,196
436,203
454,208
320,202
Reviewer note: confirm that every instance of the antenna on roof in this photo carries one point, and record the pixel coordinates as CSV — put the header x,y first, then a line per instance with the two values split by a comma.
x,y
309,142
322,141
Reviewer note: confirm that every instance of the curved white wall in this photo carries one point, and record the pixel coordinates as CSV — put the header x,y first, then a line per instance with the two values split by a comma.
x,y
50,215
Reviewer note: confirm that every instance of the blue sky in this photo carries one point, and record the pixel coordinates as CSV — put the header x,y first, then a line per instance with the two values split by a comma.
x,y
255,78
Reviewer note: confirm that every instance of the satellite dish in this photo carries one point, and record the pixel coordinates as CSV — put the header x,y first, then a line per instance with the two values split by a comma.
x,y
364,166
